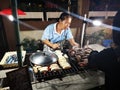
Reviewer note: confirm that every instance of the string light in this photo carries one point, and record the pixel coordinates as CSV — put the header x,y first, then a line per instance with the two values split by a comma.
x,y
97,22
10,17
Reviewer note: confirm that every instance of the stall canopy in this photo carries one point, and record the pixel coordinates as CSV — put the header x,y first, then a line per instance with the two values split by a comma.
x,y
8,11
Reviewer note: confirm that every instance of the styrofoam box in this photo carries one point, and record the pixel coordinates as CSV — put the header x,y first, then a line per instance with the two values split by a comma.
x,y
7,54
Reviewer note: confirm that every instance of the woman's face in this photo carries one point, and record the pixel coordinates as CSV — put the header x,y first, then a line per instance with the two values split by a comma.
x,y
66,23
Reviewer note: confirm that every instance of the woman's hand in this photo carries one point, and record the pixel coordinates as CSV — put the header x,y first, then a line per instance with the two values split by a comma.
x,y
55,46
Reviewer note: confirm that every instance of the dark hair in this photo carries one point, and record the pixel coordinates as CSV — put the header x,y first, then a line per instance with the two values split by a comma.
x,y
116,33
63,16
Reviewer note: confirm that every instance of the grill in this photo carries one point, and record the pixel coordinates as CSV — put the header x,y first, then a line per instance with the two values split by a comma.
x,y
75,69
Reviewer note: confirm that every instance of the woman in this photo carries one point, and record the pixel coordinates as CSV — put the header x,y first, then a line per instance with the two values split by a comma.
x,y
57,32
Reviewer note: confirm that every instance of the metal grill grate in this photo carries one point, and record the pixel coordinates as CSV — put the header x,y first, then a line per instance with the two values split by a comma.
x,y
75,69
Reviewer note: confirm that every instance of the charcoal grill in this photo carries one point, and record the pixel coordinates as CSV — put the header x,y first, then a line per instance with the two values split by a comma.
x,y
75,69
